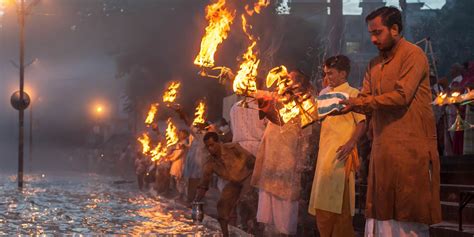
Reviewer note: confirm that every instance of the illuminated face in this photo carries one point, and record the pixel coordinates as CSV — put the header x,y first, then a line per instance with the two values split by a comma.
x,y
213,147
382,36
334,77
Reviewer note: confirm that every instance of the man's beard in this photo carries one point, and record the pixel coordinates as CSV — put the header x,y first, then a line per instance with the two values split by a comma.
x,y
389,46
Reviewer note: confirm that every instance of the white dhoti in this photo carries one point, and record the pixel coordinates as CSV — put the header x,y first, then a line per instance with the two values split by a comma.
x,y
282,214
393,228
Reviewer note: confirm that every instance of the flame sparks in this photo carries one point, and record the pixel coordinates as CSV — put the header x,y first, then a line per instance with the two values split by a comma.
x,y
245,81
145,141
151,114
171,134
220,19
171,92
199,114
257,7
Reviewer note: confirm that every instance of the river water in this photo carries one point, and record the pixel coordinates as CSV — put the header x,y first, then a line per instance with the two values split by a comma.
x,y
75,203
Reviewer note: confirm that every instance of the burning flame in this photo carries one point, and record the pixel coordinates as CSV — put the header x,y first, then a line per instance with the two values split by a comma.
x,y
290,110
454,98
220,19
293,105
245,80
145,141
277,74
151,114
171,93
257,7
158,152
199,114
440,98
171,134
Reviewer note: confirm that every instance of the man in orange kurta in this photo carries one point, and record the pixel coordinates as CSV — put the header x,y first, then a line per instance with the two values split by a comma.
x,y
404,179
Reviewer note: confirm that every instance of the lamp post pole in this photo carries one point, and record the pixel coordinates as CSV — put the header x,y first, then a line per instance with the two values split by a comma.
x,y
22,77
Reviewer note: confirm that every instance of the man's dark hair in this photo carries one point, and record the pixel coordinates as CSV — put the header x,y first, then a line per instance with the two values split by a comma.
x,y
210,135
339,62
390,16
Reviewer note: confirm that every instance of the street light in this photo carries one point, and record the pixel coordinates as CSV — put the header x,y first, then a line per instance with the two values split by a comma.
x,y
99,109
22,11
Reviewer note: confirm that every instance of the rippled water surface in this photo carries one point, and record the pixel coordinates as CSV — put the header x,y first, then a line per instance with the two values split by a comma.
x,y
88,204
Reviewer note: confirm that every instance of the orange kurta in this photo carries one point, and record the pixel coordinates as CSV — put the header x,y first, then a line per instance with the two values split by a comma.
x,y
404,179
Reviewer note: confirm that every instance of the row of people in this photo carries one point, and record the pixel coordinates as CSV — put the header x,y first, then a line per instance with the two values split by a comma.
x,y
262,165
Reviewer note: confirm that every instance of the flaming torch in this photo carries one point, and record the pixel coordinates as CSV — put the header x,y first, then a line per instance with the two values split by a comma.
x,y
145,141
199,114
151,114
171,134
295,101
171,92
245,82
219,20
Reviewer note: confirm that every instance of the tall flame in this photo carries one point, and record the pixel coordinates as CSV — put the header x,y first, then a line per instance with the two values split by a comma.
x,y
220,19
151,114
199,114
171,92
245,81
171,134
145,141
158,152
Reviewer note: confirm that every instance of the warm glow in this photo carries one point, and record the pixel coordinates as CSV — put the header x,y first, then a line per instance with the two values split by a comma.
x,y
171,134
219,20
99,109
171,92
199,114
145,141
245,81
151,114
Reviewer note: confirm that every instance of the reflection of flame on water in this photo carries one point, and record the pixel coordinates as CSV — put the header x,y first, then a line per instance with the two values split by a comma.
x,y
151,114
171,92
91,204
199,114
145,141
219,20
171,134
